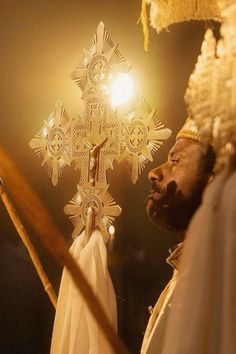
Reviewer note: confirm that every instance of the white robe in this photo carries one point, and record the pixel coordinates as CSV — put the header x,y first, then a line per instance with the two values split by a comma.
x,y
202,319
154,334
75,330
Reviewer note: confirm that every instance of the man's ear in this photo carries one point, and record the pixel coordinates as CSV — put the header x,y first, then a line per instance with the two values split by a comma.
x,y
211,177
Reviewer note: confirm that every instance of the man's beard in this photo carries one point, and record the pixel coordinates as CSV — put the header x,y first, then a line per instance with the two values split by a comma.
x,y
171,210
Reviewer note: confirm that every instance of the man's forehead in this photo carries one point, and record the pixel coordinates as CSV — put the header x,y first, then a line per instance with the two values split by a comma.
x,y
183,145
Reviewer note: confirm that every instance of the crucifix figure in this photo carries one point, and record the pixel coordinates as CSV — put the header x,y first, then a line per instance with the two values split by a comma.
x,y
93,159
93,141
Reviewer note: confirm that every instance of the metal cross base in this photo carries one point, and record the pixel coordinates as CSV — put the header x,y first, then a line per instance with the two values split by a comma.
x,y
93,141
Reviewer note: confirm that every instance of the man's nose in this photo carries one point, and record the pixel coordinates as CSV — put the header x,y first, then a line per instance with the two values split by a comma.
x,y
155,175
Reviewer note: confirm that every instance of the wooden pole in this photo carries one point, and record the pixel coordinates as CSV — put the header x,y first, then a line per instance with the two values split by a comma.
x,y
28,244
53,240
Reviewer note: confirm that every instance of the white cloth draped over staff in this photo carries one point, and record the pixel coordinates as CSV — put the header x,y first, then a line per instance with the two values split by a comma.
x,y
203,308
75,330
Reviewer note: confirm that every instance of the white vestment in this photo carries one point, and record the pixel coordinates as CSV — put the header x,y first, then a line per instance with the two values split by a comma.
x,y
154,334
202,319
198,315
75,330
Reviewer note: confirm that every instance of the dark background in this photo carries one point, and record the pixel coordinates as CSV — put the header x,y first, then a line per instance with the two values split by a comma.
x,y
41,43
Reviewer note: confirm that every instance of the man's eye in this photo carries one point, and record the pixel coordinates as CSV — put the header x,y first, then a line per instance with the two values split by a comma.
x,y
174,161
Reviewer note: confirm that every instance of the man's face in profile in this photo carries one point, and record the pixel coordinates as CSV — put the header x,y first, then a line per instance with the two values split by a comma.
x,y
177,186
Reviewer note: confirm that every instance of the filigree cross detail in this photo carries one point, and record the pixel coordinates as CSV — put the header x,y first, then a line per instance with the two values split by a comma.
x,y
93,141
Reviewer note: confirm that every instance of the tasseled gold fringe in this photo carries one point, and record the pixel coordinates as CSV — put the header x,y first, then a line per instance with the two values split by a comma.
x,y
164,13
144,21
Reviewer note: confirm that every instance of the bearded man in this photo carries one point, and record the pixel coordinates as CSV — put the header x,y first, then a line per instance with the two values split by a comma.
x,y
176,193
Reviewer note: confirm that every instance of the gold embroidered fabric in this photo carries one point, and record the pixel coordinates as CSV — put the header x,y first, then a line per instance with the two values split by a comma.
x,y
189,130
210,96
164,13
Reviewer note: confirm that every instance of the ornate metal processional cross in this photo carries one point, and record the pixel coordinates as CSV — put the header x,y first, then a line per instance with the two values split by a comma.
x,y
94,141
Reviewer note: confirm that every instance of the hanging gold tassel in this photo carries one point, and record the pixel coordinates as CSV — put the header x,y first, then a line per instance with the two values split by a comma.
x,y
144,21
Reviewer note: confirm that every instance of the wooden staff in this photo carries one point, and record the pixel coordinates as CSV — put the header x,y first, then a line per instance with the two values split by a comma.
x,y
28,244
55,243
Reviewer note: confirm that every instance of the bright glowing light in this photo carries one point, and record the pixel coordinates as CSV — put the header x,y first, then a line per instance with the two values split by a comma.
x,y
121,89
111,230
